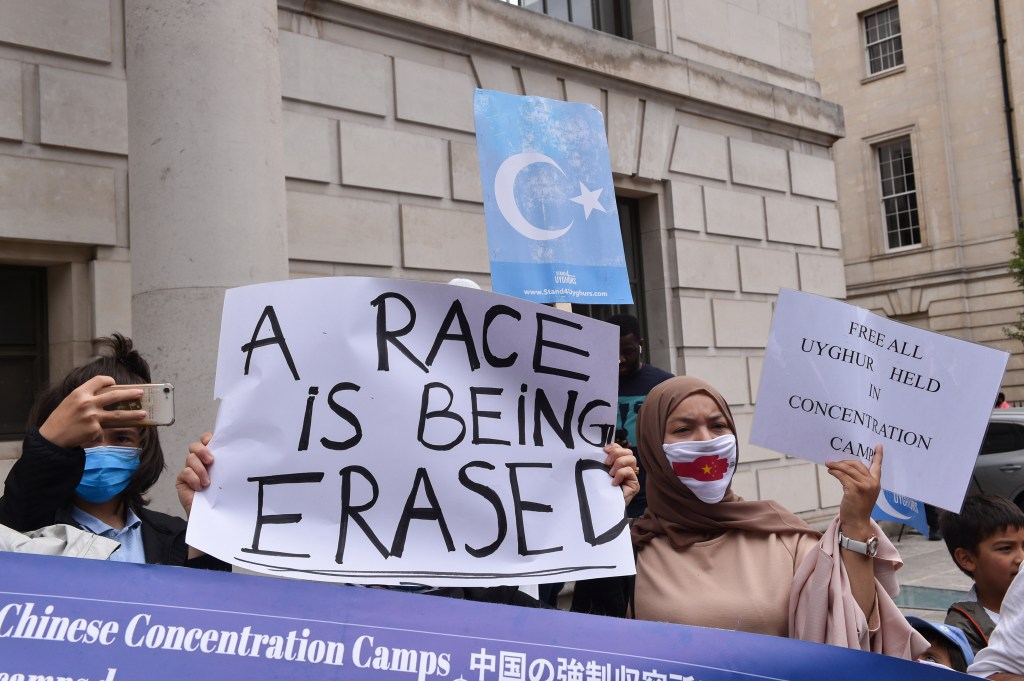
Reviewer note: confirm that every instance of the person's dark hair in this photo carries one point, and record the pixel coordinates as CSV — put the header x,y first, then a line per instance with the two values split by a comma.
x,y
627,323
957,662
1000,398
981,516
126,366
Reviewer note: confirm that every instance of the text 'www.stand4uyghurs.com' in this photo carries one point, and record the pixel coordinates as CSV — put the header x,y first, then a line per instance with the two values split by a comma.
x,y
564,292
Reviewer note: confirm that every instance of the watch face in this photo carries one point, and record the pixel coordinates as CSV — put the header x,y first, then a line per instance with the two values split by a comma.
x,y
872,546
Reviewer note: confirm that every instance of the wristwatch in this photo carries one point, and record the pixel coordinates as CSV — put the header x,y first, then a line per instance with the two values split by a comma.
x,y
869,548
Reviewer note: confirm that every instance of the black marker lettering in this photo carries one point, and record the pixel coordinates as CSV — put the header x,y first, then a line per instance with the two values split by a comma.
x,y
345,414
355,512
541,343
442,413
489,318
586,518
279,518
522,505
307,419
474,391
385,336
412,512
444,334
495,500
276,339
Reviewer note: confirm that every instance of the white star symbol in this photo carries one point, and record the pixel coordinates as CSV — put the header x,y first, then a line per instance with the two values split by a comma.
x,y
589,200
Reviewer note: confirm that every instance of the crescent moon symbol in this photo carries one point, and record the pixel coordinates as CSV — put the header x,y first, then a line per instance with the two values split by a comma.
x,y
504,194
883,503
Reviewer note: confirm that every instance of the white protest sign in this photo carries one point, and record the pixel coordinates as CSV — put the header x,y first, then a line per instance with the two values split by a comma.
x,y
838,380
390,432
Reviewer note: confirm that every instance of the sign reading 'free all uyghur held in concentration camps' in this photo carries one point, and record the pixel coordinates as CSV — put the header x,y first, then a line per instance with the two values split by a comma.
x,y
381,431
839,380
90,620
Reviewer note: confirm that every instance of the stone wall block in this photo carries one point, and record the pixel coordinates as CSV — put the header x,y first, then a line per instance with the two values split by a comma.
x,y
734,213
433,96
829,489
623,132
706,265
540,84
741,323
391,160
748,452
495,75
754,367
728,374
686,202
695,322
83,111
10,100
697,152
466,183
82,28
323,72
813,176
111,297
794,486
758,165
754,36
53,201
343,230
586,94
655,140
308,147
791,222
831,233
439,239
766,270
822,274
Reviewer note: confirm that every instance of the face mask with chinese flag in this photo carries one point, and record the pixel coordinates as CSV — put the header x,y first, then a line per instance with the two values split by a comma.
x,y
705,467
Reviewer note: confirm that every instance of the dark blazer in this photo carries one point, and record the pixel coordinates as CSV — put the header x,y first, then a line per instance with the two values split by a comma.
x,y
40,489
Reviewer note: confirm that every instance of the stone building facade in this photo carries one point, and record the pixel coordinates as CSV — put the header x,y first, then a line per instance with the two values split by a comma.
x,y
921,84
154,154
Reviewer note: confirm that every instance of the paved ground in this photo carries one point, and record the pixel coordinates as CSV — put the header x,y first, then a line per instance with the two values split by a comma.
x,y
929,581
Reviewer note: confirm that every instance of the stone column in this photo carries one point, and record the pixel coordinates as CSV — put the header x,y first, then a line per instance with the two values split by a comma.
x,y
206,189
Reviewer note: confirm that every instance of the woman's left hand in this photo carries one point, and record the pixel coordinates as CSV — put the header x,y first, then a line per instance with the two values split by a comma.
x,y
624,470
861,486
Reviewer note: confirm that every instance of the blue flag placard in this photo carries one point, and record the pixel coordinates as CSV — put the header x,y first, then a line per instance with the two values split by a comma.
x,y
99,621
901,509
552,226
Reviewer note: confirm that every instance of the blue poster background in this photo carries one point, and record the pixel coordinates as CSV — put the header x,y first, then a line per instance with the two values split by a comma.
x,y
552,226
154,622
901,509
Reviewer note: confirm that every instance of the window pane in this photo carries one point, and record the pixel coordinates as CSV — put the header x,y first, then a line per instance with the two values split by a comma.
x,y
582,13
882,39
899,199
1002,437
23,343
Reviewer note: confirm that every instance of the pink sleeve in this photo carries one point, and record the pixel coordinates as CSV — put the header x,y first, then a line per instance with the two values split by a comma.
x,y
822,608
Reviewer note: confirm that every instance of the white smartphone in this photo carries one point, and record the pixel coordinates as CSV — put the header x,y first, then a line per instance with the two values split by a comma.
x,y
157,400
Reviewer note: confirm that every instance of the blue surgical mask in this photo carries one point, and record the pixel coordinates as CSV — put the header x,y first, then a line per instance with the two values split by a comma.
x,y
108,470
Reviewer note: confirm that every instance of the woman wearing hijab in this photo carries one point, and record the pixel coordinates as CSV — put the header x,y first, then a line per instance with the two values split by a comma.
x,y
706,557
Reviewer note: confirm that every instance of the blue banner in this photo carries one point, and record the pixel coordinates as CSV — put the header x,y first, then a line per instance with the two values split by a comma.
x,y
93,620
901,509
552,225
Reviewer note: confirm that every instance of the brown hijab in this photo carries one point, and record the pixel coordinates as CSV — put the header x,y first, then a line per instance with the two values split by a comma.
x,y
672,509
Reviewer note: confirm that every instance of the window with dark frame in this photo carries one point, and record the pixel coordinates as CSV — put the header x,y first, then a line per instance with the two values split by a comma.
x,y
883,40
629,224
23,345
899,194
607,16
